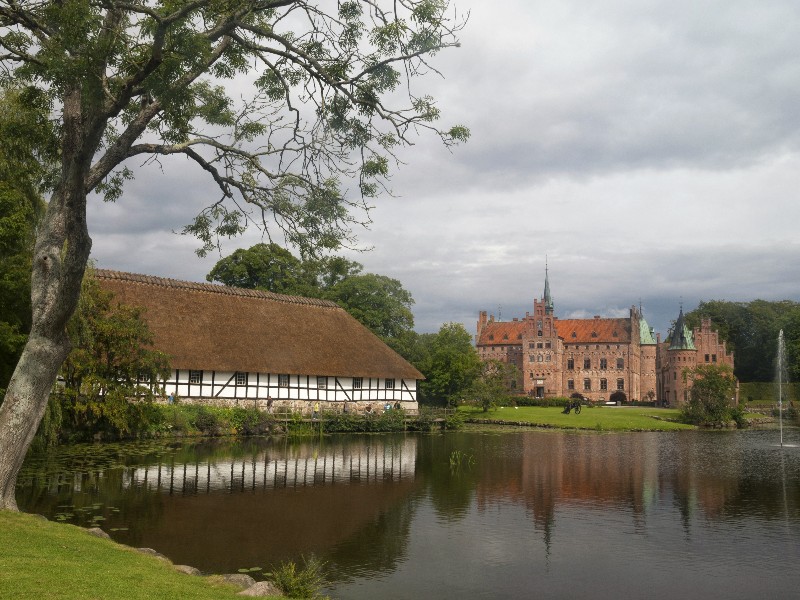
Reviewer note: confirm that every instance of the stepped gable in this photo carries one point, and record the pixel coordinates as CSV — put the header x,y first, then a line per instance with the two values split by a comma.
x,y
205,326
594,331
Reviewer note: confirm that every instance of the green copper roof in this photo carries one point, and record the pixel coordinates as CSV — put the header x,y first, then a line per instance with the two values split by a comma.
x,y
645,333
548,300
681,338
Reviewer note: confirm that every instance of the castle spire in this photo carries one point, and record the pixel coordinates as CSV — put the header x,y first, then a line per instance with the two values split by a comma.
x,y
548,300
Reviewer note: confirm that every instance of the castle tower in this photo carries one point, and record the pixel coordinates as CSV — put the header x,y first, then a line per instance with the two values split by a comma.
x,y
680,354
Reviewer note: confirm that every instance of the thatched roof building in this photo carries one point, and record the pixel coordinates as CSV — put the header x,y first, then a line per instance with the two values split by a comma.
x,y
215,328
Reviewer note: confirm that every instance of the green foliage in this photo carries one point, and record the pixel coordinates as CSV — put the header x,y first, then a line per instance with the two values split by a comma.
x,y
493,385
324,106
378,302
450,364
710,399
751,330
26,154
111,376
300,581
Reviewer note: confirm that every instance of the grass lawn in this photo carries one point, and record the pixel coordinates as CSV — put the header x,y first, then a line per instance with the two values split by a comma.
x,y
42,559
601,418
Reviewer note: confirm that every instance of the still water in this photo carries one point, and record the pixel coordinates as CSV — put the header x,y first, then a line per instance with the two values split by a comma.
x,y
457,515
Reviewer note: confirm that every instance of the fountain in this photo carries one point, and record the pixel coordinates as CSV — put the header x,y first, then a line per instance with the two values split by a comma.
x,y
782,377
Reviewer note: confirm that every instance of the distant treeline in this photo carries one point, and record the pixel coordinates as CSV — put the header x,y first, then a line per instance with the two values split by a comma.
x,y
751,331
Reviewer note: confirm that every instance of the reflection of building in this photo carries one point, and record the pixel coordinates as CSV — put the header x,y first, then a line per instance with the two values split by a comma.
x,y
600,358
232,345
364,464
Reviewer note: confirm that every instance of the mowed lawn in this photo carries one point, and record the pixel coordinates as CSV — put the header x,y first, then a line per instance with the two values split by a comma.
x,y
40,559
601,418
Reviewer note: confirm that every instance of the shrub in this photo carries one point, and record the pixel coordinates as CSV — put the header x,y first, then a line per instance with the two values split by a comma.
x,y
300,582
206,421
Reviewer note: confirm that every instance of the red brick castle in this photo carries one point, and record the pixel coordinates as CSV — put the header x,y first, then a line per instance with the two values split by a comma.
x,y
603,359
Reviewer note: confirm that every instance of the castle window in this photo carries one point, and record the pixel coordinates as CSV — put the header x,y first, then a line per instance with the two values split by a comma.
x,y
539,333
603,363
570,363
620,363
539,358
531,345
195,376
674,376
547,344
713,358
587,384
603,385
547,358
620,384
540,345
707,357
587,363
241,378
570,384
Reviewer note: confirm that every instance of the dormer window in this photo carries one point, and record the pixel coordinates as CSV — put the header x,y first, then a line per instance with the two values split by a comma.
x,y
574,334
594,334
614,334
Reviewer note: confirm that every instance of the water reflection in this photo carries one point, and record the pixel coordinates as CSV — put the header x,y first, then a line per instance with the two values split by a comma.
x,y
395,518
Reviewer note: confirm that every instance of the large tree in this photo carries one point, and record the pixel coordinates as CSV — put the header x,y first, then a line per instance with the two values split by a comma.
x,y
27,151
138,79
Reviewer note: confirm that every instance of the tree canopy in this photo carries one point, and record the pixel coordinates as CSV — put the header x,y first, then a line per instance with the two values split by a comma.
x,y
751,331
378,302
711,399
283,104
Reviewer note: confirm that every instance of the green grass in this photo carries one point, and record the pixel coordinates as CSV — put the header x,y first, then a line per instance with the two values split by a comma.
x,y
42,559
601,418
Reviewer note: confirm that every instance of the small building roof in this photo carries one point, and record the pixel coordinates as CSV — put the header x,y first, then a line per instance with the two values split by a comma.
x,y
205,326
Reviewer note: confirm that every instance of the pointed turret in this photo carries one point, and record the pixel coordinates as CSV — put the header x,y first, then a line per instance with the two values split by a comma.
x,y
681,338
548,300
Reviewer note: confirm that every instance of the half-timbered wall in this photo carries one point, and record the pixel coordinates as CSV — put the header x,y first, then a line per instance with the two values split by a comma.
x,y
220,386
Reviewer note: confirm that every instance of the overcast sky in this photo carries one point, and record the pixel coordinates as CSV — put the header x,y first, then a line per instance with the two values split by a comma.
x,y
650,149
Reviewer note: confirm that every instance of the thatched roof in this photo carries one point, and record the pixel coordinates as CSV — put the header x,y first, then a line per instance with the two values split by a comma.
x,y
205,326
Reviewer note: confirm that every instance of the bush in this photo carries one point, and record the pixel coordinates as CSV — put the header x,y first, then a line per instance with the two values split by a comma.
x,y
300,582
206,421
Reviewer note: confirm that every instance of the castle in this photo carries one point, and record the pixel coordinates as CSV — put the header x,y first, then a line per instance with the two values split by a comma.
x,y
602,359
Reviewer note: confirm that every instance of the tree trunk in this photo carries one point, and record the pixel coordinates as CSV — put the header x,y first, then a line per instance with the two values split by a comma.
x,y
59,261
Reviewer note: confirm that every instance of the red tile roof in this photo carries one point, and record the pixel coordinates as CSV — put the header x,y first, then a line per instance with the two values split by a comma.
x,y
501,333
591,331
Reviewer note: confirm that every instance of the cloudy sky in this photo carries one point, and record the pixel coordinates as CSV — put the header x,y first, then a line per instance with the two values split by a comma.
x,y
650,149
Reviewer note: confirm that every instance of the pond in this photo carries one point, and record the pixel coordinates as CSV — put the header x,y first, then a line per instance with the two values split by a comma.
x,y
506,514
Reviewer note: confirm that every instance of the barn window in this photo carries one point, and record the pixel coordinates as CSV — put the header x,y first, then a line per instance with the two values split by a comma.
x,y
389,384
195,376
357,383
283,380
322,383
145,377
241,378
